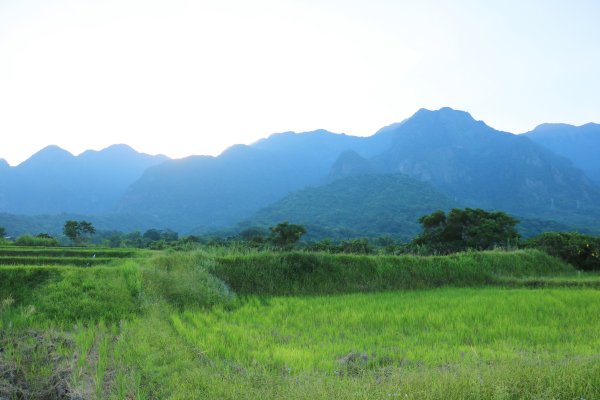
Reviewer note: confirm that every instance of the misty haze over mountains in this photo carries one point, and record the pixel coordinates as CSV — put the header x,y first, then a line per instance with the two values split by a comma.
x,y
434,159
54,181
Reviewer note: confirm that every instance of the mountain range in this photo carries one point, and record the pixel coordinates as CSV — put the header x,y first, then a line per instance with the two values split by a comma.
x,y
346,185
54,181
580,144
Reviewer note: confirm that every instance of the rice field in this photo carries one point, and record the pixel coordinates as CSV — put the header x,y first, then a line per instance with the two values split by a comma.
x,y
187,326
426,328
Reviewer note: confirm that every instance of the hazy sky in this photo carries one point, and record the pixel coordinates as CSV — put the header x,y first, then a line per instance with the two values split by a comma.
x,y
193,77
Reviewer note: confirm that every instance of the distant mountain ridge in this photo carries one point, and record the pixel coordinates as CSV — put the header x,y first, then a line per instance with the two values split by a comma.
x,y
221,191
54,181
462,159
580,144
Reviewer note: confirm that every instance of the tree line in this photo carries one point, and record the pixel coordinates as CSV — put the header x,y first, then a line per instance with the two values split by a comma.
x,y
441,233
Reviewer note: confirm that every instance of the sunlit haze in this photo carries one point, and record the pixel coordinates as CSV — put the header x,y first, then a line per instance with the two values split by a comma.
x,y
194,77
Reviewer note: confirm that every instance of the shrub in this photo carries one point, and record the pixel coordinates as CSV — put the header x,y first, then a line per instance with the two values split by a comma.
x,y
356,246
42,241
582,251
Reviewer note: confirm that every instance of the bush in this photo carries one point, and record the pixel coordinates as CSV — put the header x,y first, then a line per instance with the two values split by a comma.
x,y
356,246
41,241
581,251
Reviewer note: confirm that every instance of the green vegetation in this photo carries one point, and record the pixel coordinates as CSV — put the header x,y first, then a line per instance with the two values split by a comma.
x,y
358,206
582,251
78,261
38,240
18,251
78,232
286,235
298,273
466,229
206,324
412,329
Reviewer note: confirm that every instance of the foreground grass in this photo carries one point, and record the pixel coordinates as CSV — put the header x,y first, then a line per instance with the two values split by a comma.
x,y
433,344
208,325
428,328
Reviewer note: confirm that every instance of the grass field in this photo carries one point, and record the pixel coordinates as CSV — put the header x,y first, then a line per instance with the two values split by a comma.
x,y
247,325
428,328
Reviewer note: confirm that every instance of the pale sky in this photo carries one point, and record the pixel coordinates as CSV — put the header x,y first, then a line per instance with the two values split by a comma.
x,y
194,77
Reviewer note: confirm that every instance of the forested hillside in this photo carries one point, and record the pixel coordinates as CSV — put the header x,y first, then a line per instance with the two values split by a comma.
x,y
358,206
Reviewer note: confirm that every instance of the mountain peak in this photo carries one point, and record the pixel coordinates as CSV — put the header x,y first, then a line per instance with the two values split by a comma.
x,y
446,127
118,153
120,148
548,126
52,150
49,154
445,113
590,125
291,134
578,143
556,126
113,150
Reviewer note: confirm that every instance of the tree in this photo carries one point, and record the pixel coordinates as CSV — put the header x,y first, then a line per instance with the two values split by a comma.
x,y
70,229
153,235
86,228
254,234
169,235
466,229
285,235
77,232
133,239
2,233
582,251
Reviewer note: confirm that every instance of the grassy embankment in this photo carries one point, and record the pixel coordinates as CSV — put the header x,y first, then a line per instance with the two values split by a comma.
x,y
210,325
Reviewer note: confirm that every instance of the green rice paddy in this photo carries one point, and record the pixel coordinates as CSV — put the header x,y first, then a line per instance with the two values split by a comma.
x,y
174,325
416,328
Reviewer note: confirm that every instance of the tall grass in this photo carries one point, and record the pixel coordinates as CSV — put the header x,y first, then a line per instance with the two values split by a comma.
x,y
415,328
171,326
436,344
68,294
19,251
271,273
39,260
183,280
205,279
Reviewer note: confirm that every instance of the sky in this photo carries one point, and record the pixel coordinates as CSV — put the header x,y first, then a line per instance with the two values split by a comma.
x,y
184,77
